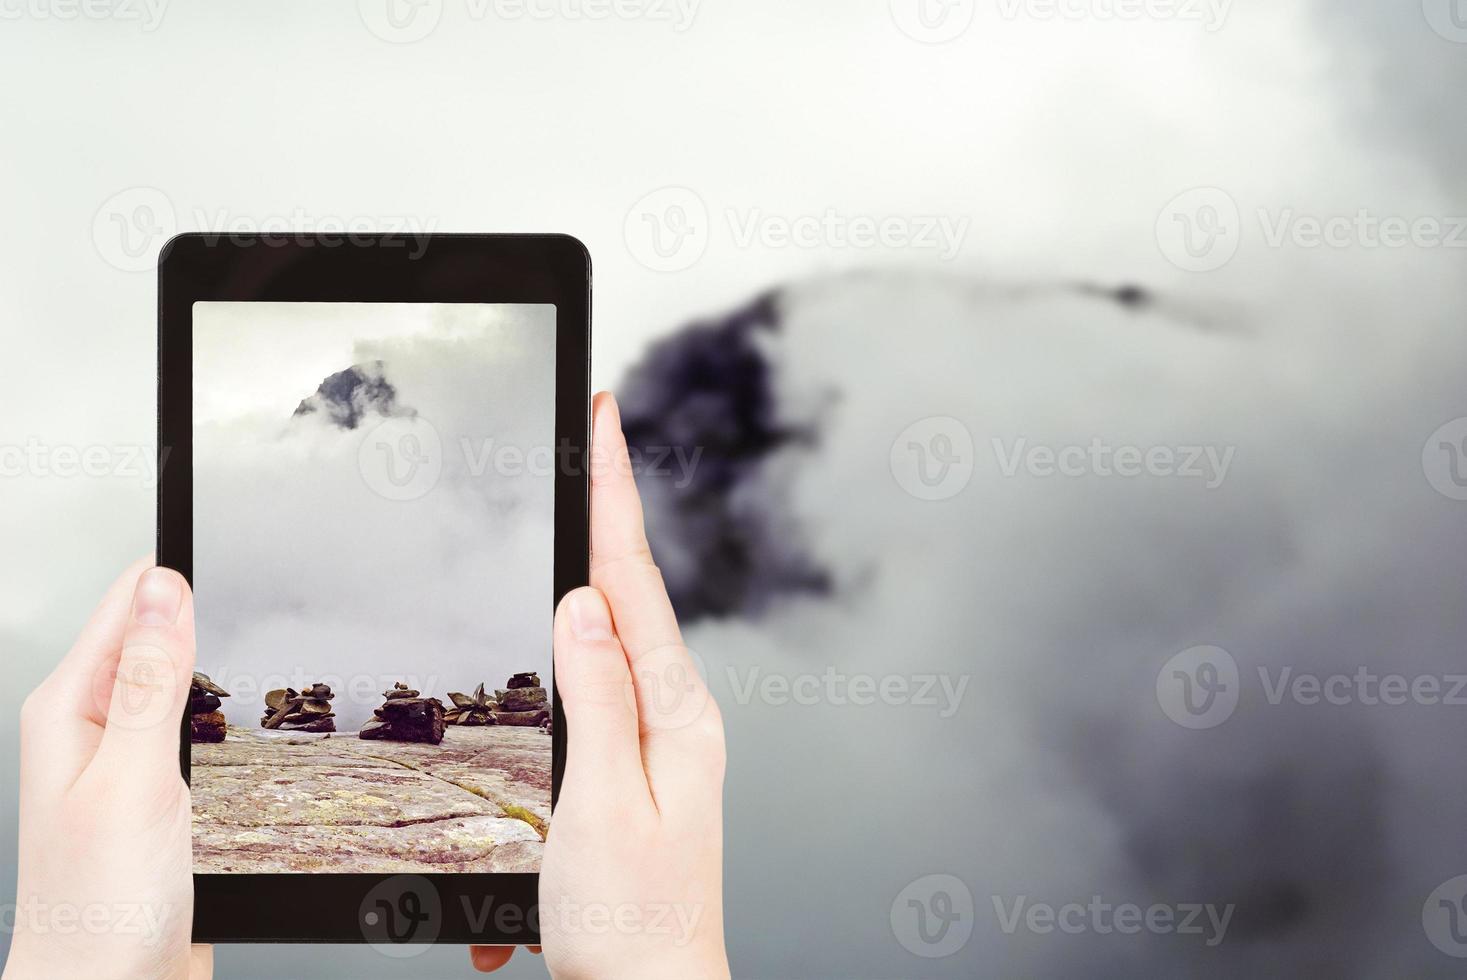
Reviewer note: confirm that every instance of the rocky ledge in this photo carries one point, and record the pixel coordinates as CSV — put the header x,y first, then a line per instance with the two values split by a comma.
x,y
268,801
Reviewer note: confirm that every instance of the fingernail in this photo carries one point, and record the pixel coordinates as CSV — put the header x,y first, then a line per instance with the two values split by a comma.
x,y
590,619
158,598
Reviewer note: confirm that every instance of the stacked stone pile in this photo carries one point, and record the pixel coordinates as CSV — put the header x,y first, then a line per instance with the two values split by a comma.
x,y
406,716
300,711
206,721
475,709
523,702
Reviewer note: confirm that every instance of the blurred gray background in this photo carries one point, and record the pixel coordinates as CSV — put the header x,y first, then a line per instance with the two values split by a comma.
x,y
1078,393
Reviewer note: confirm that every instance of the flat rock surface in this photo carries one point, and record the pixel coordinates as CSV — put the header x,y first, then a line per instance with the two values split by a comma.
x,y
293,802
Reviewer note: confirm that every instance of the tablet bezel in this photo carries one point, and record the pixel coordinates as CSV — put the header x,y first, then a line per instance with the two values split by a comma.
x,y
377,268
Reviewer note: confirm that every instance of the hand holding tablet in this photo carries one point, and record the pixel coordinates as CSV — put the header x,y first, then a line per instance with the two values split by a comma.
x,y
632,881
631,884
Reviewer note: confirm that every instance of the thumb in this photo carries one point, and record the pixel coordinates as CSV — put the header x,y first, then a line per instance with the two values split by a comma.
x,y
595,687
153,672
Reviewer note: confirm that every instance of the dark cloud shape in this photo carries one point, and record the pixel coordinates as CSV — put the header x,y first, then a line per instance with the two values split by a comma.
x,y
707,396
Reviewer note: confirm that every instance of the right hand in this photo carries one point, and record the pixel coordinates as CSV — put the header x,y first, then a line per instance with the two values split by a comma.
x,y
632,883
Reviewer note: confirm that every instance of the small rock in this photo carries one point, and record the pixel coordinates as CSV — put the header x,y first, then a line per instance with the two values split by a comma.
x,y
522,719
526,679
522,699
207,727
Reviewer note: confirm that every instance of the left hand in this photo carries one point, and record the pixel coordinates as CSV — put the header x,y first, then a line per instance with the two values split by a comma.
x,y
106,887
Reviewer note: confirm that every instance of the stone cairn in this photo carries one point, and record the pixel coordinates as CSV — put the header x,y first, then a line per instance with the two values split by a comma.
x,y
523,702
405,716
304,711
475,709
206,721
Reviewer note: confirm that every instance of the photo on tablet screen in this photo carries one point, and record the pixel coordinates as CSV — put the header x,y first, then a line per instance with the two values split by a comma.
x,y
373,528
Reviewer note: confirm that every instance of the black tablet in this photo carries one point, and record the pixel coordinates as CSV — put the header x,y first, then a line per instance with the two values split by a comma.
x,y
373,475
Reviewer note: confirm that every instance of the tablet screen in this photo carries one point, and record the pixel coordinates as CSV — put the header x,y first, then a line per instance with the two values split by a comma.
x,y
373,536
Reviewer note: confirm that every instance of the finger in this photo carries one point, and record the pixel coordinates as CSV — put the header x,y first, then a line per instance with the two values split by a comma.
x,y
682,734
621,561
150,681
201,963
96,646
487,959
61,723
602,747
